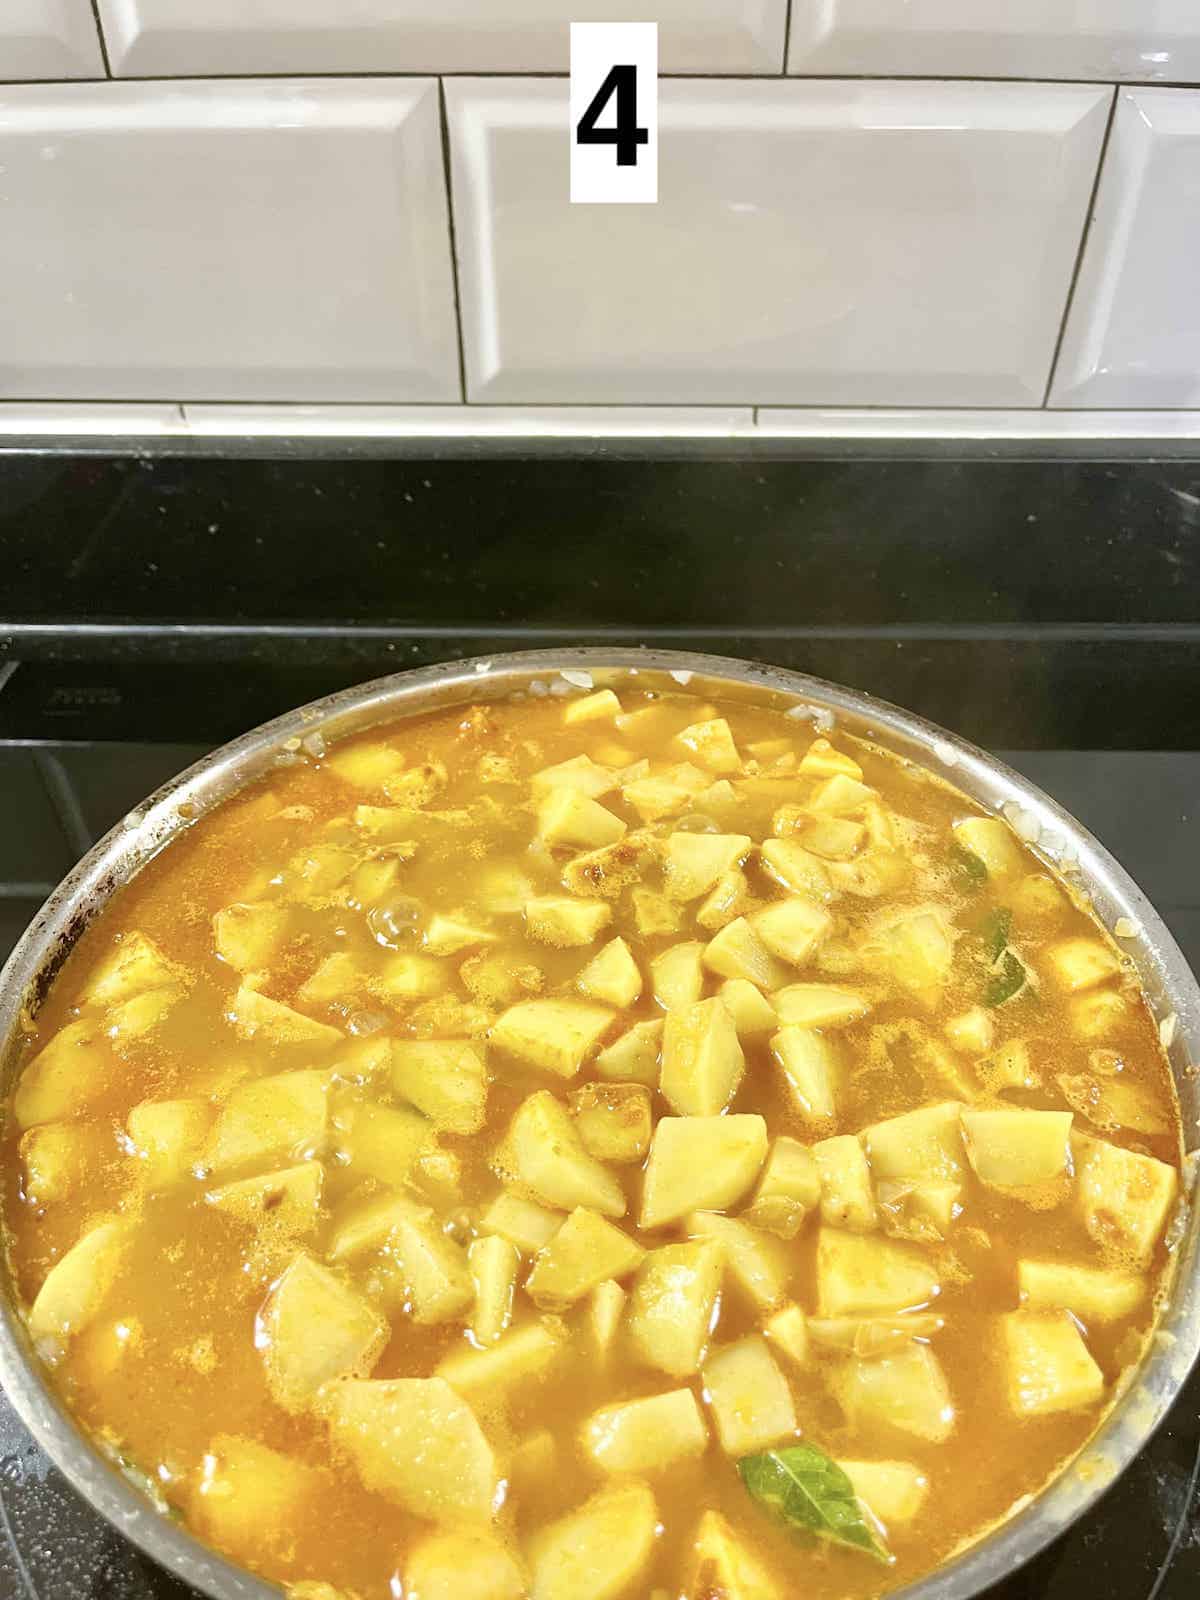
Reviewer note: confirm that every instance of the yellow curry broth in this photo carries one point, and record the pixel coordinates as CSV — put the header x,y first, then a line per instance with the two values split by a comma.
x,y
167,1360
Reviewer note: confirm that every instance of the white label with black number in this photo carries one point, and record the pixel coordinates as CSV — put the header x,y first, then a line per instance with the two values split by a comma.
x,y
614,113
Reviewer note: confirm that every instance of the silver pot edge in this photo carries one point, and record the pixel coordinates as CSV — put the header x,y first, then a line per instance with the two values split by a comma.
x,y
121,854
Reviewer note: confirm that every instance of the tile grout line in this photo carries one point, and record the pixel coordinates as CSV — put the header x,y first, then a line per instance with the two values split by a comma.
x,y
787,39
444,115
1089,218
103,41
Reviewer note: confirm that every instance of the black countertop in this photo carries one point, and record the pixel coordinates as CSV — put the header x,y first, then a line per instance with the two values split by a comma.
x,y
153,606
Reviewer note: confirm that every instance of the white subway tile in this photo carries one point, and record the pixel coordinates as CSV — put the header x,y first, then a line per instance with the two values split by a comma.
x,y
402,422
49,39
814,243
1133,335
236,241
181,37
1155,40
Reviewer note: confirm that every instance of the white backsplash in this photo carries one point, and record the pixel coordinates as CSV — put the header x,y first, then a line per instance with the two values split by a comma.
x,y
365,207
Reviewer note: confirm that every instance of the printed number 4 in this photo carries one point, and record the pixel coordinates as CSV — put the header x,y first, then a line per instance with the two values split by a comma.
x,y
625,134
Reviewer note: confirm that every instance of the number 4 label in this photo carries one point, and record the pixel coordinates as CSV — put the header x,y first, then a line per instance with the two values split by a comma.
x,y
614,113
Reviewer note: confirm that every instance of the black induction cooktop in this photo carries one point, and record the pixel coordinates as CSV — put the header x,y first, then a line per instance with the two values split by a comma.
x,y
152,607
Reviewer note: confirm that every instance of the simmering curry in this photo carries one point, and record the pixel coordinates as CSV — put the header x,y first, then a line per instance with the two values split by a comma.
x,y
593,1145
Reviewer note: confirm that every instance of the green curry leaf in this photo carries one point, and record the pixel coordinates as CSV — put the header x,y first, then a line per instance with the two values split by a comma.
x,y
803,1488
1005,983
994,931
969,866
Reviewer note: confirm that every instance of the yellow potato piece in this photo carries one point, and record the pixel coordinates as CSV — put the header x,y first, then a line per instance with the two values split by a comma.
x,y
646,1436
749,1397
702,1061
600,1550
672,1302
463,1566
314,1328
700,1164
543,1155
78,1284
1049,1366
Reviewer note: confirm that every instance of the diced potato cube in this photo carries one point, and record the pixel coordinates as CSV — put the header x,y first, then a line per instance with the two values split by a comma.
x,y
1018,1149
523,1354
561,920
700,1164
729,898
841,795
613,1120
672,1302
252,1500
60,1158
738,952
892,1491
787,1330
417,786
634,1057
521,1222
750,1009
758,1264
1110,1103
677,975
141,1014
417,1441
336,978
1049,1366
993,843
169,1135
498,980
1007,1067
447,936
366,766
811,1073
255,1016
654,913
382,1142
585,1250
463,1566
1093,1294
823,760
647,1435
494,1264
77,1285
973,1030
606,1307
919,1146
268,1118
790,1187
1082,963
70,1070
655,797
434,1269
702,1061
724,1568
834,838
873,1336
382,825
580,773
1098,1013
847,1198
315,1328
1124,1198
591,708
409,977
612,975
1037,895
711,743
749,1396
360,1225
248,937
601,1549
135,965
796,868
907,1390
554,1035
818,1005
918,949
543,1155
694,862
287,1200
861,1273
570,820
446,1079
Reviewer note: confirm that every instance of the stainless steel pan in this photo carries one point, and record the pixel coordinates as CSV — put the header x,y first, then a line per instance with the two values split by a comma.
x,y
118,857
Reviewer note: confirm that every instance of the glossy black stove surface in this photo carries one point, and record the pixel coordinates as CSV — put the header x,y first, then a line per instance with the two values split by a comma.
x,y
150,609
